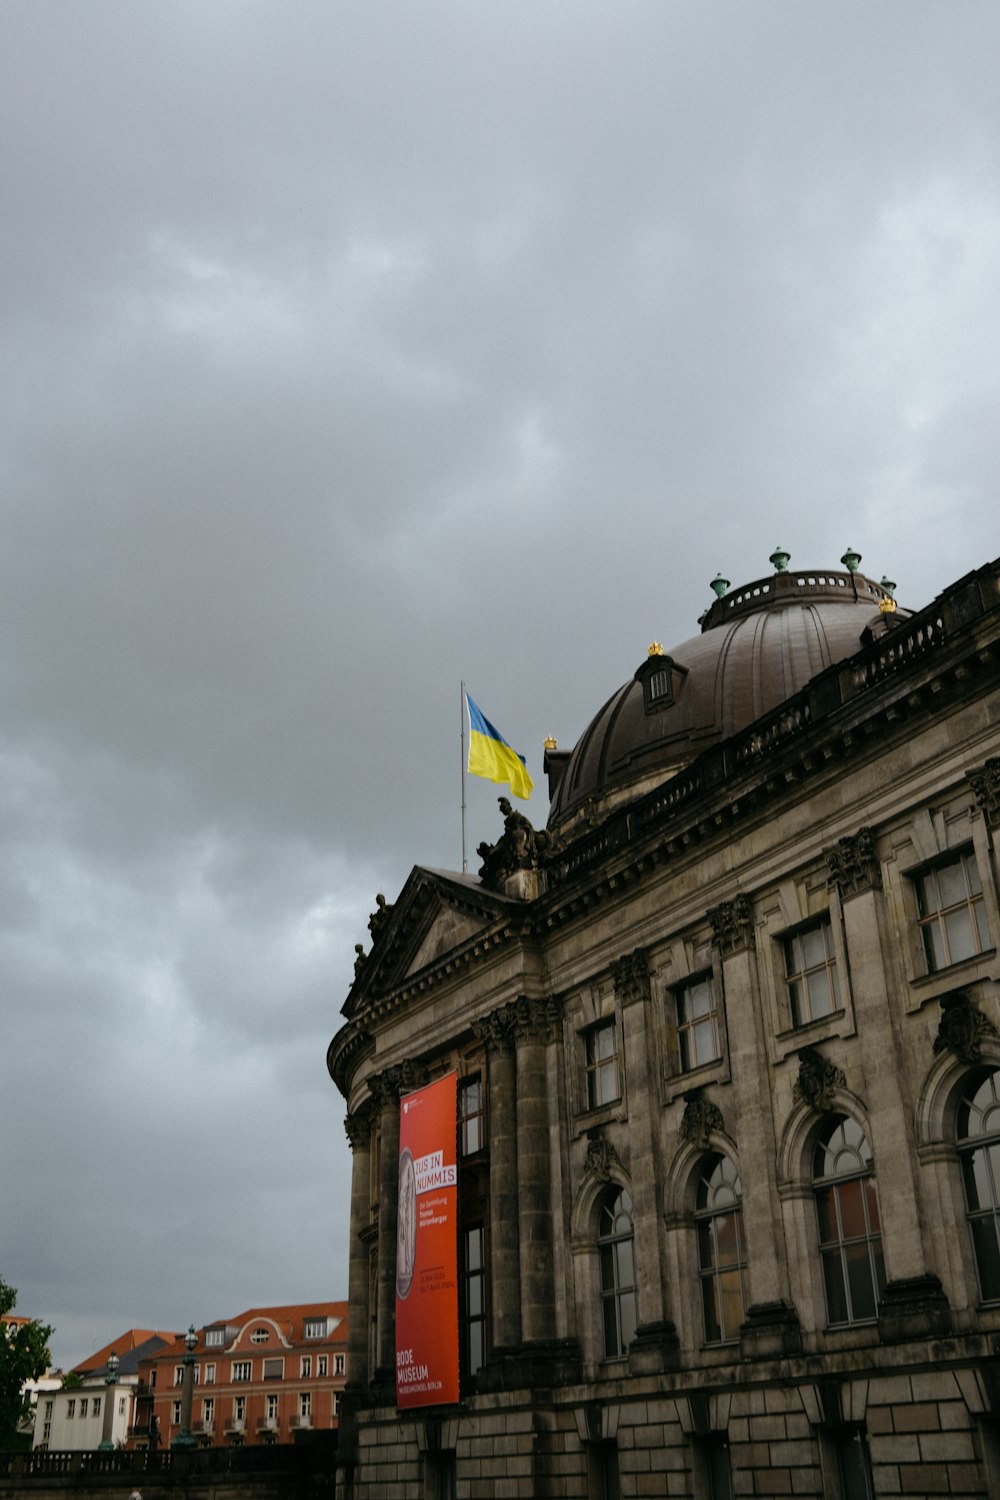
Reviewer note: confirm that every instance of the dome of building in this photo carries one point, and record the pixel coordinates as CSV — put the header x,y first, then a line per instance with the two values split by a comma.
x,y
759,645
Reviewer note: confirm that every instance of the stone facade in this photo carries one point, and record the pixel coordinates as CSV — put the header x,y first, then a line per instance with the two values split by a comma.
x,y
734,1033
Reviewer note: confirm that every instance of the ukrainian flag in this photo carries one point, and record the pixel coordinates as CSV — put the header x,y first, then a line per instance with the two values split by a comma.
x,y
491,756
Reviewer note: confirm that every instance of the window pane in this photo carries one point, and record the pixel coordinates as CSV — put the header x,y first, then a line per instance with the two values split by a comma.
x,y
731,1290
871,1202
827,1216
820,998
713,1328
977,1180
984,1241
933,947
626,1273
859,1276
628,1317
952,886
726,1243
852,1212
813,947
611,1346
958,927
836,1297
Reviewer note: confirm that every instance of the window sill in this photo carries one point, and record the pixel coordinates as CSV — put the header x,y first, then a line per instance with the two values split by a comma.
x,y
794,1038
601,1114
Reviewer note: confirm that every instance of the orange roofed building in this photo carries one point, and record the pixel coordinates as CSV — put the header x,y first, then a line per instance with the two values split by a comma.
x,y
263,1377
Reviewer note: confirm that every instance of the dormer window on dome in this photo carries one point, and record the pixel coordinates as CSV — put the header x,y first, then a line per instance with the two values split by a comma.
x,y
660,678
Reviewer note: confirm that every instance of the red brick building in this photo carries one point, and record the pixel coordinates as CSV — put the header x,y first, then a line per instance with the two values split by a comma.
x,y
262,1377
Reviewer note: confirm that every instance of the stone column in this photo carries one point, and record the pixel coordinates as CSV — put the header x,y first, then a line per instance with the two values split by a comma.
x,y
630,975
772,1324
855,870
534,1029
497,1036
385,1088
358,1129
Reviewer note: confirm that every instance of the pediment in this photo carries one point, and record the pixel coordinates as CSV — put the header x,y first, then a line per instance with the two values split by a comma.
x,y
437,914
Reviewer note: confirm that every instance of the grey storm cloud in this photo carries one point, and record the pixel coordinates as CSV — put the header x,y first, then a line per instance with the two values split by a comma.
x,y
350,351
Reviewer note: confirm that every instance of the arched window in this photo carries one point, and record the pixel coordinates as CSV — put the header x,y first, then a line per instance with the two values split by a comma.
x,y
978,1131
850,1230
721,1250
615,1243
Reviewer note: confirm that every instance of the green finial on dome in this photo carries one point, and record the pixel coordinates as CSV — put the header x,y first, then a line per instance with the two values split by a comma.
x,y
780,559
851,559
889,585
719,585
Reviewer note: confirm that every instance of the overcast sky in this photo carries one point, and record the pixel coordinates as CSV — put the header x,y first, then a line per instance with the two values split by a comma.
x,y
350,350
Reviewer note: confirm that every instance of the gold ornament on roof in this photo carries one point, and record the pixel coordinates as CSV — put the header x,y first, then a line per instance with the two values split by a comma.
x,y
549,742
654,649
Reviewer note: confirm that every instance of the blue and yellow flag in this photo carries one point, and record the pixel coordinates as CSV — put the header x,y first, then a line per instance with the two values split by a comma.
x,y
491,756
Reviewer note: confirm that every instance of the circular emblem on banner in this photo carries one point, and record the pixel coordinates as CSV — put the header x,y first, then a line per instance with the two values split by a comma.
x,y
406,1224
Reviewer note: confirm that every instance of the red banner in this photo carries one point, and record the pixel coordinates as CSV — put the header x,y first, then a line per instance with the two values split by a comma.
x,y
427,1247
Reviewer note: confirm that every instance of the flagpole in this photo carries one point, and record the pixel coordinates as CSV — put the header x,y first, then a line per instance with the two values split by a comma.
x,y
465,862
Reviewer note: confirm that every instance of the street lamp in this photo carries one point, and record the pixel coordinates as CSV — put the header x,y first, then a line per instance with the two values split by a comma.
x,y
110,1380
185,1438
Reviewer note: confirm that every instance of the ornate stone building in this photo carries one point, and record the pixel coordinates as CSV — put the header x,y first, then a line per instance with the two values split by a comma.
x,y
726,1033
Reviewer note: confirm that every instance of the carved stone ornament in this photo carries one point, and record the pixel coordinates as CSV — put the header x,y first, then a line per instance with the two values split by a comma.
x,y
853,863
701,1117
358,1129
630,975
379,916
602,1157
732,925
496,1031
387,1086
533,1018
518,848
963,1028
985,783
818,1080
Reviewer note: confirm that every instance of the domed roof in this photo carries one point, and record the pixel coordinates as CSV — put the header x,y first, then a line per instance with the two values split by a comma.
x,y
759,645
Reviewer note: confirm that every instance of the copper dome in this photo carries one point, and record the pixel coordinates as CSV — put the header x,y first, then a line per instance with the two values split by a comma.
x,y
759,644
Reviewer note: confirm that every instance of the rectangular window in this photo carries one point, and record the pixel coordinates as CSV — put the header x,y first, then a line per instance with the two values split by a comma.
x,y
602,1065
96,1407
338,1364
811,973
239,1408
274,1369
152,1379
84,1406
305,1405
214,1337
209,1374
336,1403
272,1406
951,914
712,1465
48,1407
208,1411
176,1413
440,1475
322,1364
71,1407
697,1025
242,1369
46,1432
473,1279
471,1135
178,1374
317,1328
306,1366
121,1406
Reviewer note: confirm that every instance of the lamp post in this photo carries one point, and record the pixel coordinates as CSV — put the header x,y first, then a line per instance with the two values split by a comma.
x,y
110,1380
185,1438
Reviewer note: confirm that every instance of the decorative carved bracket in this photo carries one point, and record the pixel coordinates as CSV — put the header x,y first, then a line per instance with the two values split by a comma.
x,y
496,1031
358,1129
701,1117
963,1028
387,1086
732,925
601,1156
534,1018
630,975
985,783
818,1080
853,863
